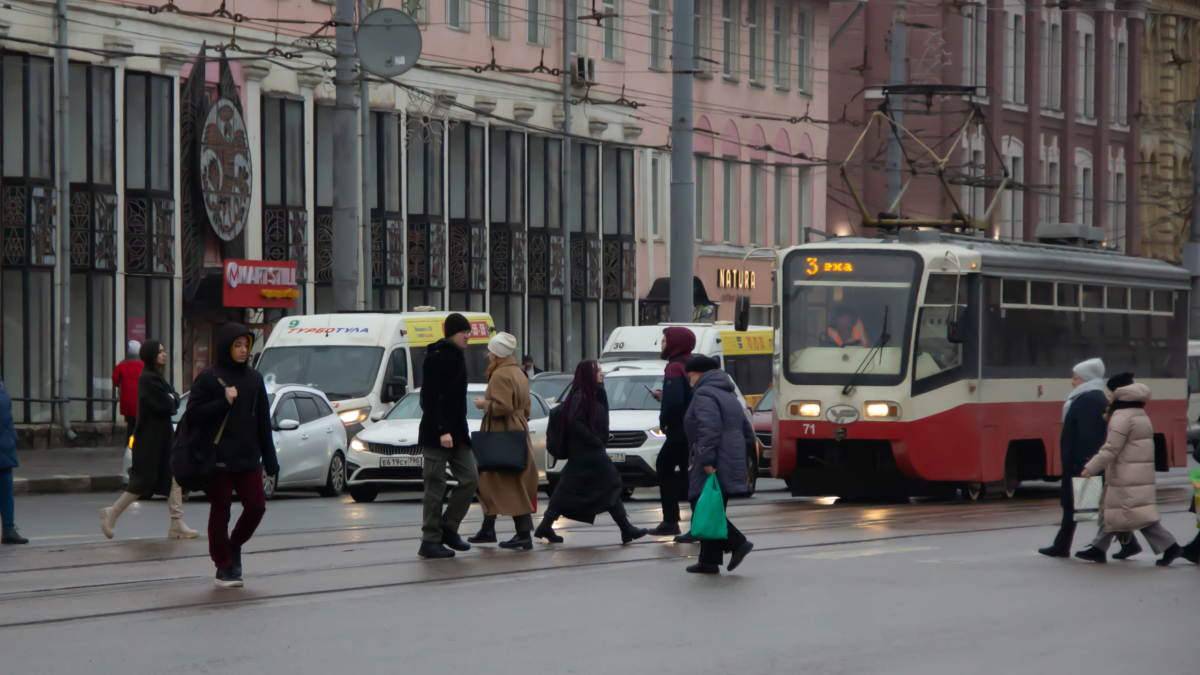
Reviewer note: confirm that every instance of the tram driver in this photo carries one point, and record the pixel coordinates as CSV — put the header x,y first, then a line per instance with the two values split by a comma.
x,y
847,329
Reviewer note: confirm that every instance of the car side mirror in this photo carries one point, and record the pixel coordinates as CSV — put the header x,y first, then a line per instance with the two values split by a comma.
x,y
287,425
394,389
741,316
378,415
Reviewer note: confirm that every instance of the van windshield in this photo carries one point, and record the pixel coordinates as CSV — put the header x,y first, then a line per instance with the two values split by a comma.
x,y
476,356
339,371
616,357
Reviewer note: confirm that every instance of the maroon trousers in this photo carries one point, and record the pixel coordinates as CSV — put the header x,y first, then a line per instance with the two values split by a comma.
x,y
221,487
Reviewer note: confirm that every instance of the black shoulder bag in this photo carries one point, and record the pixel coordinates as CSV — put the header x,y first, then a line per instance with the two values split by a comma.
x,y
501,451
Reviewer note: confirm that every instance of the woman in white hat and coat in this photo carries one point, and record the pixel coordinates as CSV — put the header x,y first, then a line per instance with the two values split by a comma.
x,y
505,405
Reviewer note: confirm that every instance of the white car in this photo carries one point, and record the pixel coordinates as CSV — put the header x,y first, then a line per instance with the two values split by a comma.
x,y
634,436
387,453
310,441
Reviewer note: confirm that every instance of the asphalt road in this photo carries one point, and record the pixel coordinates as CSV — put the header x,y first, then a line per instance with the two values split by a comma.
x,y
334,586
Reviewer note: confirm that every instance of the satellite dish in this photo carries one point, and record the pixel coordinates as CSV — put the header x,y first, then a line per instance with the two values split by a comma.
x,y
388,42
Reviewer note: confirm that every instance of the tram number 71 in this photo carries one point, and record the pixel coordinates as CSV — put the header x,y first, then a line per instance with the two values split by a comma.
x,y
810,429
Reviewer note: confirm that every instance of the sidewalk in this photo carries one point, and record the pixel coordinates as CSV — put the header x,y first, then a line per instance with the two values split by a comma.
x,y
69,470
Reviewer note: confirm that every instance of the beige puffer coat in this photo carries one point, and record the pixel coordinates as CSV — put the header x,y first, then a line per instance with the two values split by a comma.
x,y
1127,458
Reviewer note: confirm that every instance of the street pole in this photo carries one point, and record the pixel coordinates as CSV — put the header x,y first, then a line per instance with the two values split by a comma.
x,y
568,32
367,177
62,218
345,167
683,64
899,52
1191,257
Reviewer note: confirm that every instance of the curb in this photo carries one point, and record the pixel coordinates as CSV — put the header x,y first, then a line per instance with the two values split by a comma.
x,y
68,484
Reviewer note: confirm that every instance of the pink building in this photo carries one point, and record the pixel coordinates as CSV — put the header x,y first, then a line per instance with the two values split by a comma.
x,y
1057,90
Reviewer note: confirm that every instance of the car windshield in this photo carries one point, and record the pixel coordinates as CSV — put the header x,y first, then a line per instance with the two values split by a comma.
x,y
617,357
409,407
837,305
550,387
477,363
633,393
766,402
340,371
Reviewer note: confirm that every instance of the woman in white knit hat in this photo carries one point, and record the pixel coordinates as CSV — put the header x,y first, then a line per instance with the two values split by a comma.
x,y
506,406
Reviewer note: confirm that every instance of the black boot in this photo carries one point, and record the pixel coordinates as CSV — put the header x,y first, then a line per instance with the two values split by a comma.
x,y
1191,552
11,536
522,541
628,531
665,529
432,550
545,529
1170,555
450,539
487,533
702,568
235,560
1054,552
1092,554
1128,549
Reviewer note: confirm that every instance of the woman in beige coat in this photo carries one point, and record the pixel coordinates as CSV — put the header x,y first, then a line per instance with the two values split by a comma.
x,y
1127,458
506,405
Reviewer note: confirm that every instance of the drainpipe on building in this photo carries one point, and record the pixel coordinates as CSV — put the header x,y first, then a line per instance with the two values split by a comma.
x,y
62,219
1191,250
565,189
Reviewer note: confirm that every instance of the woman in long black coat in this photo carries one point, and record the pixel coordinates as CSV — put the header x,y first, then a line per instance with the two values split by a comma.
x,y
150,473
590,484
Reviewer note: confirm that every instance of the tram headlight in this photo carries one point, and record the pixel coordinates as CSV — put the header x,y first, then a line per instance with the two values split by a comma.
x,y
804,409
881,410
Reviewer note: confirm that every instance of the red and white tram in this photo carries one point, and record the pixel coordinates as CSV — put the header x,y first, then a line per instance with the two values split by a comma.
x,y
960,378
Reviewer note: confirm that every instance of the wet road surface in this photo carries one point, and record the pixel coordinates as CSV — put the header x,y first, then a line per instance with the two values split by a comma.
x,y
334,586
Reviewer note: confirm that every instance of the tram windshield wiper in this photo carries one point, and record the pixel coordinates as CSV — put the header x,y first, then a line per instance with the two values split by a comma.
x,y
877,347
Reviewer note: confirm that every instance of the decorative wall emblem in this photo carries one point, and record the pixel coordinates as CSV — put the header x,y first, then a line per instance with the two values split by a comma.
x,y
225,178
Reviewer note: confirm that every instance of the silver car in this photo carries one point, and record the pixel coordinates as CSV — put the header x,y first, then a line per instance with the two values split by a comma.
x,y
310,441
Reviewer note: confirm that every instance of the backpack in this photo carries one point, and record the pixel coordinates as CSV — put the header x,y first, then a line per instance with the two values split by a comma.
x,y
194,457
556,445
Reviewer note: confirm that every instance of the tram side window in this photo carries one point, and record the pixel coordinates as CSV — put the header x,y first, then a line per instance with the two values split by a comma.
x,y
751,373
937,361
1193,375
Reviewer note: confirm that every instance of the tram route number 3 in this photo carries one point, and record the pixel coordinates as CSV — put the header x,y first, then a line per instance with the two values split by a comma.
x,y
815,266
810,429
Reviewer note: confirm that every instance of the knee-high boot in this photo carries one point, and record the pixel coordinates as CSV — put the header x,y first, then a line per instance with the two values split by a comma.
x,y
628,531
545,529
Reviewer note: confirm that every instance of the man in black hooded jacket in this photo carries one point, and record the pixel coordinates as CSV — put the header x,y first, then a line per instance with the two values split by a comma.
x,y
230,402
446,441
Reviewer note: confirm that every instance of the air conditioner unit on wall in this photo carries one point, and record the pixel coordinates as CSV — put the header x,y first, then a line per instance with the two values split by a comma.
x,y
583,71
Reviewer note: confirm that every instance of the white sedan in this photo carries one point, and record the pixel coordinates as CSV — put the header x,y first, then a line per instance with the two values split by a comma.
x,y
387,454
310,441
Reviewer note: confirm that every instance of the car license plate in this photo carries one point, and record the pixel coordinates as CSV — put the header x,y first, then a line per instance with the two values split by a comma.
x,y
385,462
616,457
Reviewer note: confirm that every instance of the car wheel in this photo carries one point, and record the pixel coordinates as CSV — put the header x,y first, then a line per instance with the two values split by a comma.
x,y
337,477
364,494
972,491
751,475
270,482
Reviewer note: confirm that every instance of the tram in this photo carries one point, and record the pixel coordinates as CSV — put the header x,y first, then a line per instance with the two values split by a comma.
x,y
927,362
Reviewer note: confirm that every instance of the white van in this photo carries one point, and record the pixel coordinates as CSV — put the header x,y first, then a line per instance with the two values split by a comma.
x,y
364,362
747,356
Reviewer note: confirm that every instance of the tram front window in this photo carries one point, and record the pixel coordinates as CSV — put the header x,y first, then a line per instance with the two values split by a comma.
x,y
839,307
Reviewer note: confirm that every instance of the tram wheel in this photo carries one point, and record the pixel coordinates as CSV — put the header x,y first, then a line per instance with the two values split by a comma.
x,y
972,491
1012,477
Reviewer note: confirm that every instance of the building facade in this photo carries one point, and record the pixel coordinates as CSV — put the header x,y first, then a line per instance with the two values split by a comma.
x,y
1055,86
461,190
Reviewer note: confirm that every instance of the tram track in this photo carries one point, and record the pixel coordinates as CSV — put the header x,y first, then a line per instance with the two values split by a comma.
x,y
95,589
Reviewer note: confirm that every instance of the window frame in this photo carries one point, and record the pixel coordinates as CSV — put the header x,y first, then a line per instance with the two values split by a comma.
x,y
731,38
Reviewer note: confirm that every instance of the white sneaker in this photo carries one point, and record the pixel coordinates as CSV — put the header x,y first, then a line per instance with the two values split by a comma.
x,y
108,521
180,530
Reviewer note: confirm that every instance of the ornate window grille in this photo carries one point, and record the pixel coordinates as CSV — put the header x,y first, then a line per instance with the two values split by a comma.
x,y
426,218
387,220
585,252
468,229
507,245
285,218
547,253
619,246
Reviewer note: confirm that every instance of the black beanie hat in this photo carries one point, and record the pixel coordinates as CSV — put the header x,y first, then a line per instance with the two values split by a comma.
x,y
456,323
1118,381
702,364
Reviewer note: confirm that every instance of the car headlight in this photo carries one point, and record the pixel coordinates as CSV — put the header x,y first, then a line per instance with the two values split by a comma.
x,y
804,409
354,416
358,446
881,410
657,433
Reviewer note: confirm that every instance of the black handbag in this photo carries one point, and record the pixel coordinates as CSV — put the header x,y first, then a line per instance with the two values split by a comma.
x,y
194,457
500,451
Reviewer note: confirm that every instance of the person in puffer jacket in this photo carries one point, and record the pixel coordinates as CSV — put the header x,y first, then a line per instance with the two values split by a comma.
x,y
1127,458
717,429
676,396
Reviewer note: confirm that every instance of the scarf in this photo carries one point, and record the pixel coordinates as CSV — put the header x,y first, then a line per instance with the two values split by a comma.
x,y
1091,385
499,363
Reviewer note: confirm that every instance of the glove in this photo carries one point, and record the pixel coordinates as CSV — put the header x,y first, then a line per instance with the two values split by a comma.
x,y
272,469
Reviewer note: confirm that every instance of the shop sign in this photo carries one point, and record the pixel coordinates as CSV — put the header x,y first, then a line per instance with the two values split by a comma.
x,y
260,283
225,176
735,279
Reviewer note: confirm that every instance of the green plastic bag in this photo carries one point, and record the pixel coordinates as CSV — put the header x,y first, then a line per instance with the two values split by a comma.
x,y
708,520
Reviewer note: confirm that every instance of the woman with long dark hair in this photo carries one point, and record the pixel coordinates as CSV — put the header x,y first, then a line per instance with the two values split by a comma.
x,y
590,484
153,439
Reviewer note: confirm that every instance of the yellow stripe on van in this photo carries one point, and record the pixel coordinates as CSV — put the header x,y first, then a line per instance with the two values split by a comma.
x,y
424,332
734,343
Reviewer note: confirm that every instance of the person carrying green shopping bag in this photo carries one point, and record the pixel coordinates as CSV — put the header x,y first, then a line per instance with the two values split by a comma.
x,y
717,430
